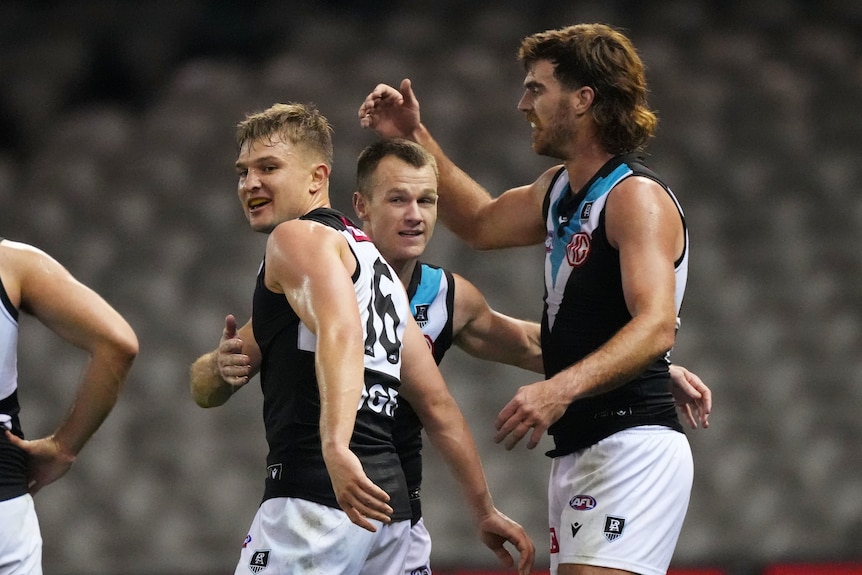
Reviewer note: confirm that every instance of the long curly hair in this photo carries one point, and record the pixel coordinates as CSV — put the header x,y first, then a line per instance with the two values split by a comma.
x,y
603,58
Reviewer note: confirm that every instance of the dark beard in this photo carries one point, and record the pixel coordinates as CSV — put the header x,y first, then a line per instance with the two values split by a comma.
x,y
558,135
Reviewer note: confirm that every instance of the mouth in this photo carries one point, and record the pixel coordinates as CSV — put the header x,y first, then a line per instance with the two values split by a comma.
x,y
410,233
257,203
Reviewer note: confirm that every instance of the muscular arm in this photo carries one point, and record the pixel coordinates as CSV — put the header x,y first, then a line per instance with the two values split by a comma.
x,y
424,388
487,334
217,375
644,224
312,265
512,219
81,317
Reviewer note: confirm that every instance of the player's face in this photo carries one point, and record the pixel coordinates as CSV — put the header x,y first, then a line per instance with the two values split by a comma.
x,y
402,209
277,182
549,110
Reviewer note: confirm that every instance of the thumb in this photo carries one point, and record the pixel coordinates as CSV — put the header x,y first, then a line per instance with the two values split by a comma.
x,y
406,90
229,327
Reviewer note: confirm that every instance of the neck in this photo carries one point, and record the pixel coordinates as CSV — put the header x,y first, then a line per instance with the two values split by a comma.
x,y
404,269
583,166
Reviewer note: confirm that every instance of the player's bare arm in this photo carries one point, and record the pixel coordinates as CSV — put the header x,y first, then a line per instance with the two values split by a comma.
x,y
487,334
644,224
217,375
312,265
44,288
424,388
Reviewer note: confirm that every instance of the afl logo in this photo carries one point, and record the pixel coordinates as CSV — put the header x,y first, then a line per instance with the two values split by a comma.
x,y
578,249
582,502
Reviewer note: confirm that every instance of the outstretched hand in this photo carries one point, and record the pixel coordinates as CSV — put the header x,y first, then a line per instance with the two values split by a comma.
x,y
233,365
496,530
692,397
389,112
47,462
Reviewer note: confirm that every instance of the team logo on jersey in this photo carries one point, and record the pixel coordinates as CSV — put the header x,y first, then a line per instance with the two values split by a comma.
x,y
614,527
578,249
424,570
421,315
274,471
582,502
259,560
555,545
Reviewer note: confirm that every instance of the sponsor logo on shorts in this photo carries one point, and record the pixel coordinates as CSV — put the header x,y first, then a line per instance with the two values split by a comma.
x,y
274,471
614,527
582,502
259,560
575,528
555,545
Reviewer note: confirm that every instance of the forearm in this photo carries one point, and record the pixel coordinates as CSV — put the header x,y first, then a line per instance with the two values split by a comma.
x,y
625,356
101,382
340,378
208,387
452,439
461,198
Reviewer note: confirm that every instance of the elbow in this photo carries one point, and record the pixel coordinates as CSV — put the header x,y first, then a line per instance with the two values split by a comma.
x,y
123,346
665,338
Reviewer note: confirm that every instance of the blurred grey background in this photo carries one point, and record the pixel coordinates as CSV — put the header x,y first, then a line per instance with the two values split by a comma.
x,y
116,158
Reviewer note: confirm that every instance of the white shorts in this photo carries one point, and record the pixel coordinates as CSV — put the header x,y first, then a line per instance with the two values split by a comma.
x,y
290,536
20,538
418,560
621,502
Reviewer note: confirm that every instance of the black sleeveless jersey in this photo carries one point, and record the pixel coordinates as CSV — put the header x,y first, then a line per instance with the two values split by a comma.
x,y
295,466
585,307
432,303
13,461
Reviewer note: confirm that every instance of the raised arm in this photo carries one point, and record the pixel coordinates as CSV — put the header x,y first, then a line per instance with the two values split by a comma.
x,y
490,335
514,218
424,388
217,375
80,316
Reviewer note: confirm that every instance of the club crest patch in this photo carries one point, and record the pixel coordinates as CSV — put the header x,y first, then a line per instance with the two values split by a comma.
x,y
421,315
578,249
614,527
259,560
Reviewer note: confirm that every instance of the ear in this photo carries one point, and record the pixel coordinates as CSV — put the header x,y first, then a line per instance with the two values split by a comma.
x,y
359,205
319,177
583,98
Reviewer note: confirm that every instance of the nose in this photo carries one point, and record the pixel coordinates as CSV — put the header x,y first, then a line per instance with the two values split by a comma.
x,y
249,181
524,104
412,212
